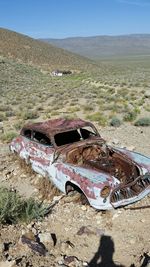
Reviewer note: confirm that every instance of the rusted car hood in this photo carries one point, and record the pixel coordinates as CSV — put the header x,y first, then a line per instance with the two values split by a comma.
x,y
93,175
139,159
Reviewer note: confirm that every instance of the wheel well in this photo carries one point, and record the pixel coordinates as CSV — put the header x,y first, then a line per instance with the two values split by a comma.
x,y
72,187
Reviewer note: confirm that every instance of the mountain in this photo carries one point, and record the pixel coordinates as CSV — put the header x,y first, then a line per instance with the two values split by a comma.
x,y
28,50
97,47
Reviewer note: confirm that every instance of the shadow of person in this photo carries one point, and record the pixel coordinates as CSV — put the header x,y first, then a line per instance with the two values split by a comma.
x,y
104,255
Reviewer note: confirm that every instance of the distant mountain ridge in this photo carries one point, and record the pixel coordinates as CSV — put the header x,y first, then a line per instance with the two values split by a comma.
x,y
96,47
28,50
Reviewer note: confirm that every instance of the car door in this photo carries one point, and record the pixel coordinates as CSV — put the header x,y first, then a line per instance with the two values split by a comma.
x,y
40,152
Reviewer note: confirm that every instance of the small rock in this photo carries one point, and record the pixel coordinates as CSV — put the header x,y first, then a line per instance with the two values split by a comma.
x,y
72,261
85,230
119,211
35,190
29,235
2,248
29,226
115,216
46,238
59,260
84,208
57,198
34,231
85,263
23,176
132,241
65,247
115,142
147,94
131,148
69,259
33,244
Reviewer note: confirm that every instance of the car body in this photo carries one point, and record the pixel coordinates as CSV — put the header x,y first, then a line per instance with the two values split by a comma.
x,y
74,156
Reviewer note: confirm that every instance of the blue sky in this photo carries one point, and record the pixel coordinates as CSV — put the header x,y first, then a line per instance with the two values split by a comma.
x,y
66,18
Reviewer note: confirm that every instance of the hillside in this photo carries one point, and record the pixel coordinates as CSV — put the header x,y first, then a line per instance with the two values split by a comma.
x,y
106,46
31,51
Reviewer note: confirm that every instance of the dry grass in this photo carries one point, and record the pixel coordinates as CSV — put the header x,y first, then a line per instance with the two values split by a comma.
x,y
46,189
25,167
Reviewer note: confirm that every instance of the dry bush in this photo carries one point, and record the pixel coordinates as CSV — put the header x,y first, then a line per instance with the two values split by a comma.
x,y
7,137
143,122
46,189
25,167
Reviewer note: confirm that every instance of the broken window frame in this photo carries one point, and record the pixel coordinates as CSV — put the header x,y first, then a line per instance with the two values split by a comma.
x,y
33,139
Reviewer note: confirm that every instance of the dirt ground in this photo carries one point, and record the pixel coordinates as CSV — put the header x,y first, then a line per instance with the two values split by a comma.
x,y
74,234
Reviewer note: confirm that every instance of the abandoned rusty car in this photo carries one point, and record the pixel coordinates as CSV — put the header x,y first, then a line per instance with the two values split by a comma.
x,y
74,156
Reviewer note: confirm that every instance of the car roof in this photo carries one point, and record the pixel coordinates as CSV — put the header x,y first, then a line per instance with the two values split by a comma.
x,y
54,126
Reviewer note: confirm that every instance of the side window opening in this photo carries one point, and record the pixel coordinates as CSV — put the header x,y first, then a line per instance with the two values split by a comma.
x,y
27,133
67,137
41,138
87,132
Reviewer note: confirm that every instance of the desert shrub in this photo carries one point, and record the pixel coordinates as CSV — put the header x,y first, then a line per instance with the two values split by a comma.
x,y
73,109
97,116
7,137
18,125
3,107
130,116
102,121
140,102
69,116
116,122
88,108
29,114
14,209
32,210
14,102
39,108
55,113
10,206
47,116
137,110
142,122
10,113
147,108
2,116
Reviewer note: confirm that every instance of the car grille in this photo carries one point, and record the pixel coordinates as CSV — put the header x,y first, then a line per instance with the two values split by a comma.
x,y
130,190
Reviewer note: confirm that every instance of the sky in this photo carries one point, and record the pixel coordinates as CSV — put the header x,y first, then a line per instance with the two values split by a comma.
x,y
72,18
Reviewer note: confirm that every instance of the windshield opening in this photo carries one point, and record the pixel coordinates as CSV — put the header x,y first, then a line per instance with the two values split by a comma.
x,y
73,136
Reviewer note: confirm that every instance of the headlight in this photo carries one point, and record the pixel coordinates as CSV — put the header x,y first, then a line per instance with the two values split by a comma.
x,y
105,191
